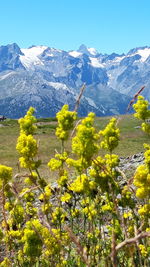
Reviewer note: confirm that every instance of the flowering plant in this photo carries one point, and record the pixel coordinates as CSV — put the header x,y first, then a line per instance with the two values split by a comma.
x,y
91,218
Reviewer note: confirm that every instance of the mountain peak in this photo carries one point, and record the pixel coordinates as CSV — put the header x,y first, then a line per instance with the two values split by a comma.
x,y
134,50
88,51
13,48
82,48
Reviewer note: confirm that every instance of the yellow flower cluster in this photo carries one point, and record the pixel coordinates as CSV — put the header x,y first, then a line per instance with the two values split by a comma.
x,y
142,173
46,194
27,195
65,197
146,127
53,245
17,215
31,179
111,161
110,135
30,209
58,215
143,250
99,173
26,144
57,162
6,263
66,120
62,181
84,143
141,108
142,181
78,164
5,174
107,207
88,208
147,155
127,215
75,212
45,198
31,239
82,184
145,210
27,124
15,234
103,170
94,234
90,211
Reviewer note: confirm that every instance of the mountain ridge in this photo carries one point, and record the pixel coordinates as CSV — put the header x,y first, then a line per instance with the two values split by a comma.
x,y
47,78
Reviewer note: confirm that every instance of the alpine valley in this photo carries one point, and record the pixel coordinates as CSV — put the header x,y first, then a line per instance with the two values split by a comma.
x,y
46,78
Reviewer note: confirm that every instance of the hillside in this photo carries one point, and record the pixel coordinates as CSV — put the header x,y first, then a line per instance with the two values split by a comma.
x,y
131,140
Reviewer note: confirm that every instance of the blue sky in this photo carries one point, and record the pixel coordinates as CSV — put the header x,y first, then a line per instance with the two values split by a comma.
x,y
107,25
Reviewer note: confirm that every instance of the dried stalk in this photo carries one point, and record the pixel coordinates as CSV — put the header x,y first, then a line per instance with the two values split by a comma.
x,y
129,241
75,128
76,107
28,191
121,172
134,98
80,249
132,240
79,97
113,249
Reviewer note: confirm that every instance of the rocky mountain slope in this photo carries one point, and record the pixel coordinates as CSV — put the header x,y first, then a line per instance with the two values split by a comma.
x,y
47,78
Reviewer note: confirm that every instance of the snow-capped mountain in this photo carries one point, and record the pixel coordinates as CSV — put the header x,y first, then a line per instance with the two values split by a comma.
x,y
47,78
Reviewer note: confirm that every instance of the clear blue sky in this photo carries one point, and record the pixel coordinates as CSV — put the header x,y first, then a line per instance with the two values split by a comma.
x,y
108,25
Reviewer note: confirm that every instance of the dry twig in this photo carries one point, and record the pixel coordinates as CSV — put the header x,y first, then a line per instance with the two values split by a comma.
x,y
80,249
134,98
132,240
79,97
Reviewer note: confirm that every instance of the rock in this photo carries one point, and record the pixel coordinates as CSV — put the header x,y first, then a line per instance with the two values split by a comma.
x,y
137,127
129,164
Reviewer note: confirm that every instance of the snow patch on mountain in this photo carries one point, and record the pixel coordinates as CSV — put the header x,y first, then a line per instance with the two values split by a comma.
x,y
113,76
95,63
144,53
92,51
34,50
75,54
5,76
50,55
59,86
91,102
31,56
118,59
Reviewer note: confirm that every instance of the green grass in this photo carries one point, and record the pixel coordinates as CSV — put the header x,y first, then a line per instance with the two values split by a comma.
x,y
131,140
46,119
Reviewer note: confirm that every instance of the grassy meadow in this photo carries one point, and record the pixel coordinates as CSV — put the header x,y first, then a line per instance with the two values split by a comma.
x,y
131,140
